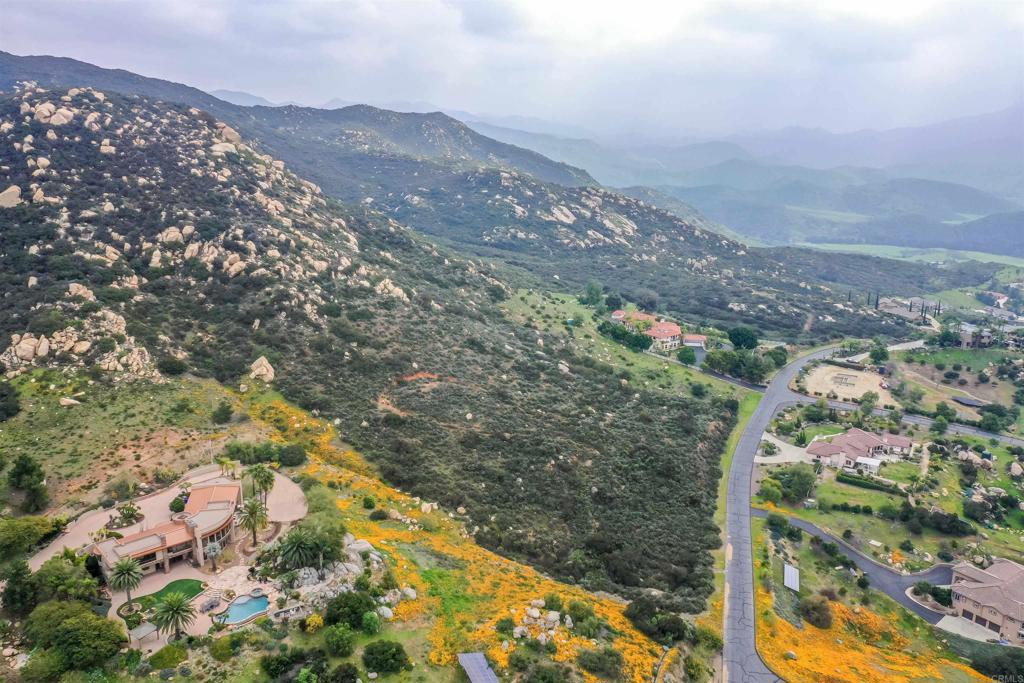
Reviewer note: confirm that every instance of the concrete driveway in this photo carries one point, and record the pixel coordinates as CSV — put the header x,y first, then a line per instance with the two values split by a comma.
x,y
154,507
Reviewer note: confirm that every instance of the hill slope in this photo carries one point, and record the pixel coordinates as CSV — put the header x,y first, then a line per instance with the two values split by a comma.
x,y
144,238
303,132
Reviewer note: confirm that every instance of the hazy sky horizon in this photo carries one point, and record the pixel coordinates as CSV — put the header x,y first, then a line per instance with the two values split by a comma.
x,y
659,69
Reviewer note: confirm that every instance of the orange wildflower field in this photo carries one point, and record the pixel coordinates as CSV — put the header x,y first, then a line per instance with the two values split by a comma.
x,y
860,647
463,589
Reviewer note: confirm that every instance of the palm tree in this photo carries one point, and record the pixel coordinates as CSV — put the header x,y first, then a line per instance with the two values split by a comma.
x,y
253,516
126,576
224,462
262,479
300,548
213,551
174,612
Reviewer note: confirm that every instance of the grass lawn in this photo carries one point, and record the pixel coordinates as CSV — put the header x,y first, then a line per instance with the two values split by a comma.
x,y
189,587
822,430
900,471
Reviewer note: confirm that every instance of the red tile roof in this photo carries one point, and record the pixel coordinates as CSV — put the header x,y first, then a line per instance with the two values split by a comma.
x,y
664,330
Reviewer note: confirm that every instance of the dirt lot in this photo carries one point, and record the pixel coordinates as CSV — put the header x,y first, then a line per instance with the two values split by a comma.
x,y
845,383
930,379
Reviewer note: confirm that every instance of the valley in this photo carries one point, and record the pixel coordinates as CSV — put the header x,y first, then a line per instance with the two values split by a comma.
x,y
413,399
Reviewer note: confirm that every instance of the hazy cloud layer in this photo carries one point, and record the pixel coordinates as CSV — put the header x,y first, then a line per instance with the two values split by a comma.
x,y
658,68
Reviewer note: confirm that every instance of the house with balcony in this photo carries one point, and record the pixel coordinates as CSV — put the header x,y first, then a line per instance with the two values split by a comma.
x,y
208,517
992,597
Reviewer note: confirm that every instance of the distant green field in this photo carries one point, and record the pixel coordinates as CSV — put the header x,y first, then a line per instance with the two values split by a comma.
x,y
828,215
916,254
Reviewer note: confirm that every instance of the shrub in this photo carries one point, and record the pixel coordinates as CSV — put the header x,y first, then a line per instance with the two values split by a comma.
x,y
346,672
338,640
385,656
378,515
553,602
292,455
709,638
222,413
371,623
348,608
221,650
168,657
171,366
816,610
606,662
546,673
177,505
505,626
369,503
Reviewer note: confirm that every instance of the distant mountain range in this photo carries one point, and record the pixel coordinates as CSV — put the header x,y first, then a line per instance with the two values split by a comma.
x,y
546,218
903,186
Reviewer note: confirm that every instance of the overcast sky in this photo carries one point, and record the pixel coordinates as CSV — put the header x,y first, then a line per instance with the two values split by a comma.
x,y
660,68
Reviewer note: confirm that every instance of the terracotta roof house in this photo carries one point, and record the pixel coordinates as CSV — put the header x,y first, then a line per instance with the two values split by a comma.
x,y
209,516
844,450
696,341
633,319
666,335
992,597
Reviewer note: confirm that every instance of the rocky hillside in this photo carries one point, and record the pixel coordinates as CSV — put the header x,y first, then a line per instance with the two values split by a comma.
x,y
143,239
436,175
302,135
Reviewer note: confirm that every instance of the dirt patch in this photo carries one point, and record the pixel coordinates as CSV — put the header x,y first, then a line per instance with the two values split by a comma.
x,y
165,448
384,403
930,379
845,383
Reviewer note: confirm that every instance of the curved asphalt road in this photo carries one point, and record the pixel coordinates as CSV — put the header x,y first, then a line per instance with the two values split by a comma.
x,y
891,582
742,662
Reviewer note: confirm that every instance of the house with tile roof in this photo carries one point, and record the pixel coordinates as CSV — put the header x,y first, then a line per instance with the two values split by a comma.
x,y
695,341
843,450
209,516
667,336
991,597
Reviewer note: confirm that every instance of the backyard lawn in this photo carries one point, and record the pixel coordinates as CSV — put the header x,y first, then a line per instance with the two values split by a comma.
x,y
900,471
189,587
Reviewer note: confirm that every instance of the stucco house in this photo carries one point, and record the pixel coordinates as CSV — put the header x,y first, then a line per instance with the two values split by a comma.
x,y
695,341
209,516
844,449
992,597
667,336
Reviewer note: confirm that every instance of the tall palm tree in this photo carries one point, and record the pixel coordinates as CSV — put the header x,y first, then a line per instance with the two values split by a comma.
x,y
175,612
262,479
126,576
213,550
253,516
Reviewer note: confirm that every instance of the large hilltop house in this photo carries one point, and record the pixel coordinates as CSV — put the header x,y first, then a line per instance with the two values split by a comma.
x,y
992,597
858,449
667,335
209,516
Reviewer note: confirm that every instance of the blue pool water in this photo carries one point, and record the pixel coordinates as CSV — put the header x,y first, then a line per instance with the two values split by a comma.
x,y
243,608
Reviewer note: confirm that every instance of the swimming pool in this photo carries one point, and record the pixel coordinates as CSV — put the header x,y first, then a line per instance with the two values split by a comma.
x,y
244,608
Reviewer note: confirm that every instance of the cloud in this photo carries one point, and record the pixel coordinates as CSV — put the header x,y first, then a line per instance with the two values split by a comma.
x,y
660,68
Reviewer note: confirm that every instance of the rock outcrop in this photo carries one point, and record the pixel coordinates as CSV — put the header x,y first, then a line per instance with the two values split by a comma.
x,y
262,370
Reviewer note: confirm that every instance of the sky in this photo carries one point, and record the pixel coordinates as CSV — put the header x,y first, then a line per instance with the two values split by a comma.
x,y
656,69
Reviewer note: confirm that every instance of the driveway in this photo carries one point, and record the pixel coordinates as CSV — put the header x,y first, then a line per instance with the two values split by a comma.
x,y
883,578
154,506
286,502
787,452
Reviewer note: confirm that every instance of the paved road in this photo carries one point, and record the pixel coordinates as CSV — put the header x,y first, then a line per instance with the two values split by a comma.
x,y
742,662
888,580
